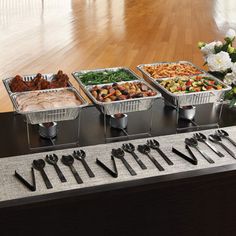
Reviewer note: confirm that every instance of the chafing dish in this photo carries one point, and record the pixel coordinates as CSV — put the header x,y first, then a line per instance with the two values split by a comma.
x,y
146,75
186,99
50,115
28,78
121,106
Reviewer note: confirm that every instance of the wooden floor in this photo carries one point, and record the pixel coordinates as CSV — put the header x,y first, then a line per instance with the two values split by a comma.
x,y
45,36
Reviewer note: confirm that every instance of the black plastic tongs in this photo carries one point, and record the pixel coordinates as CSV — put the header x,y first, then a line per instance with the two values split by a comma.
x,y
192,159
113,173
31,187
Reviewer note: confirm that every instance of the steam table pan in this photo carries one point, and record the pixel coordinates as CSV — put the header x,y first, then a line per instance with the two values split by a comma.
x,y
28,78
186,99
146,75
121,106
50,115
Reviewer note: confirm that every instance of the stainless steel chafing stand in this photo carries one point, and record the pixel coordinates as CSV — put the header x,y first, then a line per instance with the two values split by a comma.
x,y
47,121
109,110
179,101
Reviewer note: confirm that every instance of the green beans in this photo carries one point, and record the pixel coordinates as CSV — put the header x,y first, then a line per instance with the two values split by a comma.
x,y
105,77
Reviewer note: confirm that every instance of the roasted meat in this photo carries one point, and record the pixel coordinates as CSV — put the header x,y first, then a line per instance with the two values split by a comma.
x,y
60,80
37,101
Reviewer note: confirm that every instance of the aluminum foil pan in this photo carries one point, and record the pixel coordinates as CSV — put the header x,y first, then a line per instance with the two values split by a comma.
x,y
146,75
50,115
122,106
187,99
195,98
77,74
28,78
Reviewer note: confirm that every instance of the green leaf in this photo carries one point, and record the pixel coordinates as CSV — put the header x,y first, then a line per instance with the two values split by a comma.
x,y
234,90
233,57
232,102
225,47
229,40
218,49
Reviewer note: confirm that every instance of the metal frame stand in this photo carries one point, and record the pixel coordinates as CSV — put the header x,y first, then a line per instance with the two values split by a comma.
x,y
197,126
42,143
125,134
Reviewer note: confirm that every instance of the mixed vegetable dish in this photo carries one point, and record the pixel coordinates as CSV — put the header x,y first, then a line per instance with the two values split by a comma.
x,y
185,84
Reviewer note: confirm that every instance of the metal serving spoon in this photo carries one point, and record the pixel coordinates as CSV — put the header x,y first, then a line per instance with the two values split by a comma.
x,y
216,139
193,143
144,149
202,138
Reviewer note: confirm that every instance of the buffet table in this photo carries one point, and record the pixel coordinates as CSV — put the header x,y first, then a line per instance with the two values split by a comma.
x,y
184,199
12,193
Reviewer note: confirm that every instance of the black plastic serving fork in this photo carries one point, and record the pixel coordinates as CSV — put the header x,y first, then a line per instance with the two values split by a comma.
x,y
80,155
154,144
52,160
223,134
202,138
129,147
119,153
144,149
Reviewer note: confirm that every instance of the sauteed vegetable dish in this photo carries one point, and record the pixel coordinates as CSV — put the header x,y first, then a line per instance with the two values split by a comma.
x,y
191,84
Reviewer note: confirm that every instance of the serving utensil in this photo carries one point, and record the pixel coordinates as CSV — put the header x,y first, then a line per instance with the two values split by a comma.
x,y
194,143
130,148
119,153
80,155
52,160
31,187
114,173
154,144
202,138
223,134
193,160
144,149
39,165
217,139
68,161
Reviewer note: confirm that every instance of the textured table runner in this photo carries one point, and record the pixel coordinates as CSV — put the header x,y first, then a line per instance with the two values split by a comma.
x,y
12,189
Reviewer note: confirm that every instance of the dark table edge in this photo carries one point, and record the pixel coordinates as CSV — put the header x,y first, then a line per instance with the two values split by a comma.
x,y
207,173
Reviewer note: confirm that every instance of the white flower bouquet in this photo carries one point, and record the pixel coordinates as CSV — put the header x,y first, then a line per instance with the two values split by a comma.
x,y
221,60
